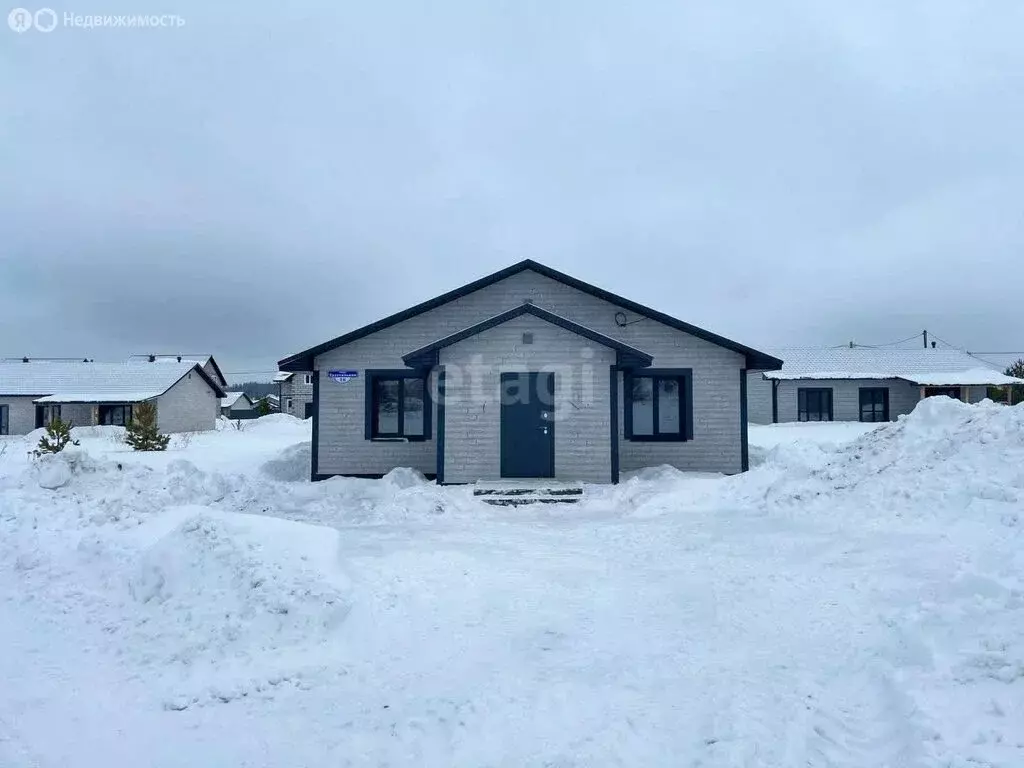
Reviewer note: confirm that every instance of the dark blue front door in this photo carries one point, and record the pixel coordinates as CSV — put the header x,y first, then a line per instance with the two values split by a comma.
x,y
527,425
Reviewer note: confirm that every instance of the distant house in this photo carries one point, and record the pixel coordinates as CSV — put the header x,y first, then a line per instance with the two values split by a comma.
x,y
206,361
527,373
237,405
273,401
187,398
295,392
864,383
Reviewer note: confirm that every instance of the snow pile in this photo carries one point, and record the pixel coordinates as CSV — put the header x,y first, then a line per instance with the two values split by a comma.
x,y
946,456
292,465
220,591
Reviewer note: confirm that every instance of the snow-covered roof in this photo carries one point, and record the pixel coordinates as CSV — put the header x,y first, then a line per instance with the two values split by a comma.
x,y
201,359
282,376
56,382
930,367
232,398
999,360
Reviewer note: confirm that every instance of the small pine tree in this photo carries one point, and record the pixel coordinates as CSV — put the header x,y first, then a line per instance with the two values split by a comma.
x,y
142,434
263,407
56,439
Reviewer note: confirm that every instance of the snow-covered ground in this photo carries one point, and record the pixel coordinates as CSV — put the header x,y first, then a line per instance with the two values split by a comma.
x,y
854,600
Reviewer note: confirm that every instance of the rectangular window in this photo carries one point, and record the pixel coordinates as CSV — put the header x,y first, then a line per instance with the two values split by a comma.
x,y
115,415
397,405
953,392
874,404
50,414
308,379
814,404
659,405
5,424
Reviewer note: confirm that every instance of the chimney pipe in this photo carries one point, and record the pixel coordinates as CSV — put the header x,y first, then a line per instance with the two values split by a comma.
x,y
933,345
24,359
924,335
152,358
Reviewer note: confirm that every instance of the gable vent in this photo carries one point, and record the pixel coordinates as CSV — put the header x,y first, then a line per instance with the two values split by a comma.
x,y
527,338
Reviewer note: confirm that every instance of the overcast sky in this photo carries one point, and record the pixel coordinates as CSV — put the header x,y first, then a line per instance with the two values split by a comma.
x,y
268,176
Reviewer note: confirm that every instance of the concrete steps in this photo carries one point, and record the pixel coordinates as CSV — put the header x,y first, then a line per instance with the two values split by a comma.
x,y
521,494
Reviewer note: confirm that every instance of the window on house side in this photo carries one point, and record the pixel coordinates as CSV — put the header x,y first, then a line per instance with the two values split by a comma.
x,y
399,407
874,404
660,406
814,404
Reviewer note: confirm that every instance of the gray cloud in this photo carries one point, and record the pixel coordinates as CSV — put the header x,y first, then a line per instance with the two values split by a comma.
x,y
253,183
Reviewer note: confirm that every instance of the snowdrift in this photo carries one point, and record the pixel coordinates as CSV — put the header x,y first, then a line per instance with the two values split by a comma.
x,y
945,456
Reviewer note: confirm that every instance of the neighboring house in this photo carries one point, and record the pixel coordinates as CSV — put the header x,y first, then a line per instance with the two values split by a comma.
x,y
237,405
295,392
273,401
206,361
528,373
864,383
187,399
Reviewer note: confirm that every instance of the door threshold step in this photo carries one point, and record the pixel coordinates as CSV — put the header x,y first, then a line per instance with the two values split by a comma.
x,y
521,501
512,490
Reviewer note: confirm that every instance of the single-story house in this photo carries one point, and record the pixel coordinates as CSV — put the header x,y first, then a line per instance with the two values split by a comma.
x,y
864,383
237,405
295,393
206,361
528,373
86,393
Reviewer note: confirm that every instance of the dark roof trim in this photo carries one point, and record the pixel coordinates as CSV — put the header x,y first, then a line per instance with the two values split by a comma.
x,y
628,357
223,381
755,360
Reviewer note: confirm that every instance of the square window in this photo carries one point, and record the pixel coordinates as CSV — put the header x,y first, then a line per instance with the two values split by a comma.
x,y
397,405
814,404
659,405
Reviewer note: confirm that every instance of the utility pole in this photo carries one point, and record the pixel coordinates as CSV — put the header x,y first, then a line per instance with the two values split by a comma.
x,y
924,335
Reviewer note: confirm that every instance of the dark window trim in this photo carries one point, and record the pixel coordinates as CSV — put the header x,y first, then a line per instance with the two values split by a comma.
x,y
807,390
368,401
127,416
5,420
872,391
686,407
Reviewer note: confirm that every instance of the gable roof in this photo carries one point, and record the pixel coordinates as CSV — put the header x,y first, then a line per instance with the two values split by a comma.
x,y
303,361
930,367
201,359
230,399
61,382
628,356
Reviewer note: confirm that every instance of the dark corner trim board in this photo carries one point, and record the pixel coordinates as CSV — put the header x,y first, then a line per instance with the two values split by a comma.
x,y
613,398
775,401
440,426
303,361
627,404
626,356
315,448
744,437
371,375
